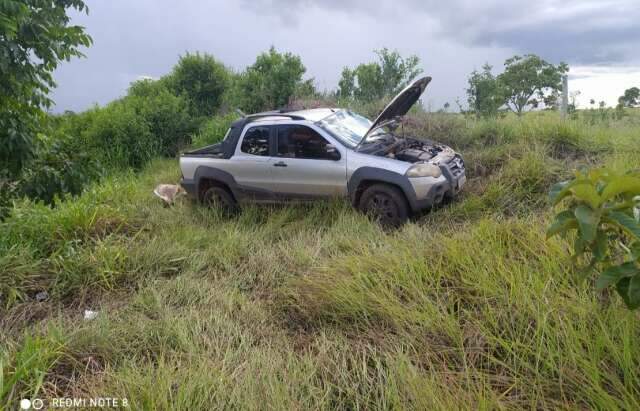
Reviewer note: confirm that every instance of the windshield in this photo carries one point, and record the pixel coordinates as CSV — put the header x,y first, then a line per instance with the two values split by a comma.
x,y
346,126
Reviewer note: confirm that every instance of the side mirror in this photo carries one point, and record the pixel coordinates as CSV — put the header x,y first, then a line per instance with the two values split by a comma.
x,y
332,152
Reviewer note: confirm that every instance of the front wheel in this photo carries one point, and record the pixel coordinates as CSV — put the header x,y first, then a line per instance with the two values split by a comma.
x,y
385,204
218,197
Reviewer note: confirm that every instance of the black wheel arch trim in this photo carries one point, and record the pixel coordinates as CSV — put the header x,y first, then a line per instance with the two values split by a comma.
x,y
382,176
239,192
212,173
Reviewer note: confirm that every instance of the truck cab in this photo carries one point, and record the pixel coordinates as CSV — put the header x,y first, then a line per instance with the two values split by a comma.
x,y
308,155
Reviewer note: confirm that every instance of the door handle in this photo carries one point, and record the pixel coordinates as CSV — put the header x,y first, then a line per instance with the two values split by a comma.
x,y
280,164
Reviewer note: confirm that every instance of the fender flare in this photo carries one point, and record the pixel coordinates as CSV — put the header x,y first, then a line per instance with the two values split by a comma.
x,y
212,173
382,176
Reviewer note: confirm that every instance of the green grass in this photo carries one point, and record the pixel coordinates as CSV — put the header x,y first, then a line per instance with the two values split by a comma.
x,y
315,307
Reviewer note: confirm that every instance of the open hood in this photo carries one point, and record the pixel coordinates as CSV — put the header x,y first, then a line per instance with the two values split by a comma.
x,y
400,104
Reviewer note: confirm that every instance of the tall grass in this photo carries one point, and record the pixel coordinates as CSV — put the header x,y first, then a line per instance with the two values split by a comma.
x,y
315,307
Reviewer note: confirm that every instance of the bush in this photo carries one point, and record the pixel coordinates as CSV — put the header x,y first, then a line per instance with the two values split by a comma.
x,y
201,80
213,130
61,166
166,115
270,82
603,211
8,190
120,136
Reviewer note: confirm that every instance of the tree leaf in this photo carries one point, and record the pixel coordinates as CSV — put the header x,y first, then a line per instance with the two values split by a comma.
x,y
563,222
635,250
586,192
557,190
613,275
600,246
579,247
588,222
629,290
622,287
634,292
626,222
623,184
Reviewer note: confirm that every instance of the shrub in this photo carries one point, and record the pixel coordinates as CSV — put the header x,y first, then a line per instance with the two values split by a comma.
x,y
61,166
604,211
213,130
8,190
270,82
166,114
120,136
202,80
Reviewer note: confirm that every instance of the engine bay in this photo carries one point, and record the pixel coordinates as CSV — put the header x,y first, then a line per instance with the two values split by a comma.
x,y
413,150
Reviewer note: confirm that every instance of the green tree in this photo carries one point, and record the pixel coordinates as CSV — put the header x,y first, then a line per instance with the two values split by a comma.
x,y
370,82
373,81
551,100
306,89
527,76
202,80
630,98
270,82
35,36
484,94
397,71
347,83
166,114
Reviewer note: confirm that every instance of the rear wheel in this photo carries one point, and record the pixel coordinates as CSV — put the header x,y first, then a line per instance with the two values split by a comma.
x,y
218,197
385,204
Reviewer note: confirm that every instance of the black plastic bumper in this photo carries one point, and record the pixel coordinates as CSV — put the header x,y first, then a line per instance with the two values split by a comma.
x,y
190,187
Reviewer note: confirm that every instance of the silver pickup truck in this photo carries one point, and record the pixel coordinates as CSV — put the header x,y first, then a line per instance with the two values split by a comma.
x,y
283,156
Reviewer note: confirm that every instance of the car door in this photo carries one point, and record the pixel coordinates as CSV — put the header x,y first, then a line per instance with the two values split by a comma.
x,y
251,163
306,164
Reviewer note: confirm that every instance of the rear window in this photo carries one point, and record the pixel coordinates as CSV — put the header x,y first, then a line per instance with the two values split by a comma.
x,y
256,141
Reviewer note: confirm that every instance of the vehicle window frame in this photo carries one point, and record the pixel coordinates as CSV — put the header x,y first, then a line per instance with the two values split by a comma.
x,y
248,129
276,144
342,140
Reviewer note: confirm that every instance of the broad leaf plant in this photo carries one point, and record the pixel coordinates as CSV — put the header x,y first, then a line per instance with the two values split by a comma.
x,y
602,218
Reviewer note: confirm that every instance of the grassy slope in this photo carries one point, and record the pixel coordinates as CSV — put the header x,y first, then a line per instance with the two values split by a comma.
x,y
316,307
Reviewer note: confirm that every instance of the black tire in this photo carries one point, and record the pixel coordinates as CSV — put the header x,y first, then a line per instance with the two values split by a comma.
x,y
385,204
219,197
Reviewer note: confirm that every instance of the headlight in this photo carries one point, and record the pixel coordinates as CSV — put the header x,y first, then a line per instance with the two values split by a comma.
x,y
424,170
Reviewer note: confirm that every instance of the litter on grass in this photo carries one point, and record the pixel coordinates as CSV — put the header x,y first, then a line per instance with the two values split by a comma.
x,y
90,315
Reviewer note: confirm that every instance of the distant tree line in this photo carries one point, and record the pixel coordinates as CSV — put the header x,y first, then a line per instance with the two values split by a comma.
x,y
373,81
44,156
630,98
526,82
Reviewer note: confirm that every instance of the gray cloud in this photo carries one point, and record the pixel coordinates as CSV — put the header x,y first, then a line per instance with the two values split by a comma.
x,y
145,38
578,31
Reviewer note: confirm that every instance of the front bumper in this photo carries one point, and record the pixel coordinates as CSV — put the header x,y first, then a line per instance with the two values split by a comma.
x,y
430,191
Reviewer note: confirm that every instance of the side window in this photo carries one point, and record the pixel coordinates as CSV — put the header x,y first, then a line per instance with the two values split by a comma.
x,y
296,141
256,141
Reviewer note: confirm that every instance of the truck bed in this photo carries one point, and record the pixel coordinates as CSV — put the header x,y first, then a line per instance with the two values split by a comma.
x,y
214,150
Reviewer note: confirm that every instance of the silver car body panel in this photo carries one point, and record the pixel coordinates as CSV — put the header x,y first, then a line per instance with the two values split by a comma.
x,y
308,178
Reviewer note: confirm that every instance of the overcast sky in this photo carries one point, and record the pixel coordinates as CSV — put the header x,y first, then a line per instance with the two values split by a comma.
x,y
599,39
